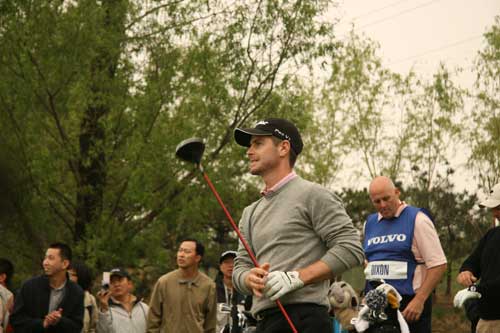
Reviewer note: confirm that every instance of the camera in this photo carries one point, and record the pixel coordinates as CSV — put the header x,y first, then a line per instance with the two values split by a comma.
x,y
105,281
224,308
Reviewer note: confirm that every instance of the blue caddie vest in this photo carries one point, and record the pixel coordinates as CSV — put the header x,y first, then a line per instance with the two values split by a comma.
x,y
391,240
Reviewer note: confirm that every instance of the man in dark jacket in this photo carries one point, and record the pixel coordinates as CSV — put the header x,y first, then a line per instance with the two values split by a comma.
x,y
50,303
484,265
229,301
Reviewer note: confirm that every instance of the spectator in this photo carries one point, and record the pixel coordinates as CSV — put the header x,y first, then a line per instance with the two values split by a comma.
x,y
183,301
80,273
230,302
483,265
6,296
50,303
121,311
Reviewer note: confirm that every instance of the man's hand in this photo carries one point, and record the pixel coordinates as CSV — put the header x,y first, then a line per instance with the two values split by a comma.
x,y
103,299
466,278
414,309
52,318
280,283
256,279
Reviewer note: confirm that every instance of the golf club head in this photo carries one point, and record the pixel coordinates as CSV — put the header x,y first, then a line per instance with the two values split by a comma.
x,y
190,150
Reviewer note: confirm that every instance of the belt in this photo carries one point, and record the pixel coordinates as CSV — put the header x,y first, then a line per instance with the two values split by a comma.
x,y
266,313
261,315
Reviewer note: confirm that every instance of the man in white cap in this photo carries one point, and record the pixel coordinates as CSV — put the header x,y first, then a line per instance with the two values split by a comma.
x,y
484,264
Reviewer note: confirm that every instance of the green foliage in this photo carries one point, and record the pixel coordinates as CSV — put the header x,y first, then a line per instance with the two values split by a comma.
x,y
484,133
458,222
435,123
95,96
355,96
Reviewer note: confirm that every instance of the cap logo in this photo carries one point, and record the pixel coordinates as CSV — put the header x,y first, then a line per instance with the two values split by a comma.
x,y
262,122
281,134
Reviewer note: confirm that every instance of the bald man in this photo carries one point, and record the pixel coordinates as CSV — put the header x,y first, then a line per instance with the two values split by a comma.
x,y
403,248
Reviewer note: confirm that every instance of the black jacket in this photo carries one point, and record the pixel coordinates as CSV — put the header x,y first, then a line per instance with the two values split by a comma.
x,y
32,305
236,299
484,263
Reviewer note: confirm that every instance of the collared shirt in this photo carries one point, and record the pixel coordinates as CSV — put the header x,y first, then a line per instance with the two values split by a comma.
x,y
180,305
56,296
426,246
279,184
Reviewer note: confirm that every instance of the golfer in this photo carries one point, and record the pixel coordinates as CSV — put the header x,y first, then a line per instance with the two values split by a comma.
x,y
299,231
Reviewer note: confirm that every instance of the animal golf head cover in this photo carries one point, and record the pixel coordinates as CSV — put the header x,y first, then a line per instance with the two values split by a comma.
x,y
465,294
381,312
376,301
341,296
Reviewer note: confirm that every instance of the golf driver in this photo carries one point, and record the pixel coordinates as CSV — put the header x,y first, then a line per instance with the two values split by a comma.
x,y
191,150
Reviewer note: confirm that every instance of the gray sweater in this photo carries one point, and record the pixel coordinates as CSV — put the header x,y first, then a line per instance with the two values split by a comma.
x,y
291,228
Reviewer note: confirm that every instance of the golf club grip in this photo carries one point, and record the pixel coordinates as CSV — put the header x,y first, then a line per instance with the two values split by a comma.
x,y
245,244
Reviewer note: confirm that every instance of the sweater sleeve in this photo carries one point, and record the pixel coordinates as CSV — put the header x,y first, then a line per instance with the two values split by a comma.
x,y
331,222
242,263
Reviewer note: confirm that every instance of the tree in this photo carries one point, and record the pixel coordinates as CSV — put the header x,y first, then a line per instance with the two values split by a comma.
x,y
456,218
95,95
356,95
435,124
483,136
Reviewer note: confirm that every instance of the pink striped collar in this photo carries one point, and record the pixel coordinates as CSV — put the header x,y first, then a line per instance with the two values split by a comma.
x,y
279,184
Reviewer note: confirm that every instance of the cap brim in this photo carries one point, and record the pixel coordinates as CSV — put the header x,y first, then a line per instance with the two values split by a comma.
x,y
120,274
490,203
244,135
229,255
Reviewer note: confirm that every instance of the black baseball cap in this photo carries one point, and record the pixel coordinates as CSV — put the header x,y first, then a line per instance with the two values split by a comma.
x,y
119,272
277,127
227,254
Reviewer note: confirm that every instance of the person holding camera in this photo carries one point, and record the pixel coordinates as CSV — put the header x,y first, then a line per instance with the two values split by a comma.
x,y
119,310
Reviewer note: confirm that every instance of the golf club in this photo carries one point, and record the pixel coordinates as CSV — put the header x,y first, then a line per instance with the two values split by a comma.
x,y
191,150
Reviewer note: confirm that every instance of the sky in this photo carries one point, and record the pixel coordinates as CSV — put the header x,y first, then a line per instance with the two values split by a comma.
x,y
420,34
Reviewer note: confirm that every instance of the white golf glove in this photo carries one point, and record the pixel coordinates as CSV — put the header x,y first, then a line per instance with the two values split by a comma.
x,y
281,283
464,295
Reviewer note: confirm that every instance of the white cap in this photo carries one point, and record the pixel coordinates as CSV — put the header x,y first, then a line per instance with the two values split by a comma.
x,y
494,199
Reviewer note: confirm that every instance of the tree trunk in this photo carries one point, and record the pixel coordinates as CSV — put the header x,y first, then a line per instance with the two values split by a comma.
x,y
92,166
448,278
